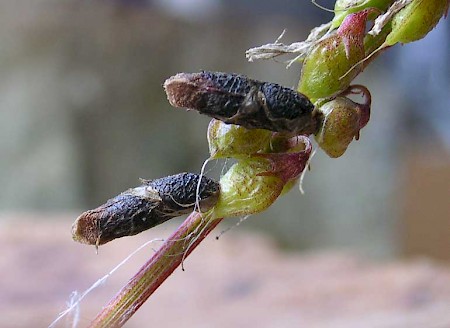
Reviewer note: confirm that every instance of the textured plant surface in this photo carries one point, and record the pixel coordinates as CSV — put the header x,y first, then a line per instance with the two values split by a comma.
x,y
265,128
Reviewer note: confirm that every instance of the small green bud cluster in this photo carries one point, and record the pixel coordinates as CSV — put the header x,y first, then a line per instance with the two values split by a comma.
x,y
266,163
335,59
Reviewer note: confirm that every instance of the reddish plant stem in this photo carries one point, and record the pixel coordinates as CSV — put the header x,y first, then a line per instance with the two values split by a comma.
x,y
155,271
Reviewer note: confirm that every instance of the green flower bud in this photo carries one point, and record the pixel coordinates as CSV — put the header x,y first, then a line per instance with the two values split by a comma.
x,y
343,8
253,184
244,191
415,20
342,121
228,140
328,68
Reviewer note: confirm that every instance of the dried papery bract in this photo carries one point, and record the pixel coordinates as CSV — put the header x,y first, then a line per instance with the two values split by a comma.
x,y
342,121
236,99
144,207
272,50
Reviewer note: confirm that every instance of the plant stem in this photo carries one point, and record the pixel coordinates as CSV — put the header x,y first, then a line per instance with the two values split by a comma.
x,y
155,271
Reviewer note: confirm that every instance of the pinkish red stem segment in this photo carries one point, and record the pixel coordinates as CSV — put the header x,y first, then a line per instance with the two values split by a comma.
x,y
155,271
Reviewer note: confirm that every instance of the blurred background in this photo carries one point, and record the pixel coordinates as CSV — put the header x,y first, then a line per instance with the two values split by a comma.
x,y
83,115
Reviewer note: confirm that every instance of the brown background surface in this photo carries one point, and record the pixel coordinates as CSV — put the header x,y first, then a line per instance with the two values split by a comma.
x,y
241,280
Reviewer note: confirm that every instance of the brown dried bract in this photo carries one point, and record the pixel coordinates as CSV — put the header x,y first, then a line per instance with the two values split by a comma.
x,y
236,99
144,207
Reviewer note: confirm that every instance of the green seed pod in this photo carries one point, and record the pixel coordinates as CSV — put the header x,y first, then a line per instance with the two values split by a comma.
x,y
328,68
253,184
244,191
342,121
410,24
228,140
414,21
343,8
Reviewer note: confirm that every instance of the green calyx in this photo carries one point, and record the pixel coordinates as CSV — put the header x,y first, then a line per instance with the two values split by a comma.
x,y
342,120
415,20
329,67
266,163
234,141
343,8
340,126
244,191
